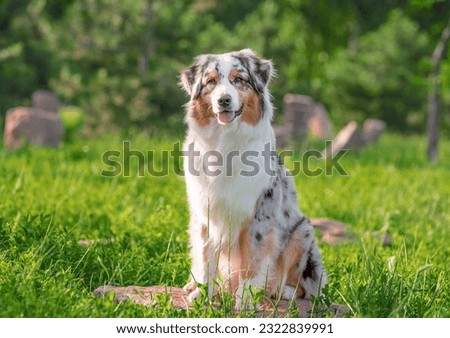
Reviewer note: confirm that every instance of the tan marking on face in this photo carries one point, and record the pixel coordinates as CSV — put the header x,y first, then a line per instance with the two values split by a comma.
x,y
234,74
251,113
201,107
211,75
201,110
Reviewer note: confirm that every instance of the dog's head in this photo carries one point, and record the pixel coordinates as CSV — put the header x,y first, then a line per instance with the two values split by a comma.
x,y
229,87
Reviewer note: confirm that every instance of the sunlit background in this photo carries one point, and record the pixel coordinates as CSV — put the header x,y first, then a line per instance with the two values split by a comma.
x,y
66,229
118,61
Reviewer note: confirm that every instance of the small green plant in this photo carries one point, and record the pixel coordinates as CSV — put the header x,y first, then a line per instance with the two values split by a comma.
x,y
73,121
164,303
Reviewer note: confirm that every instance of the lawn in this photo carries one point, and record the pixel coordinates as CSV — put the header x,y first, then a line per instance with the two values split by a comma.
x,y
50,199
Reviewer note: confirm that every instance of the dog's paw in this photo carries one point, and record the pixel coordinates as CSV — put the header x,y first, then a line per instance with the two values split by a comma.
x,y
192,290
195,294
288,293
244,300
189,287
247,305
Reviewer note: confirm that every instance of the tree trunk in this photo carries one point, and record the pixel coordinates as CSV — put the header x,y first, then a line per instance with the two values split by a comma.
x,y
147,40
434,96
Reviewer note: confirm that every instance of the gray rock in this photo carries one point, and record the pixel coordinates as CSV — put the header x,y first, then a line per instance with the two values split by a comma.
x,y
45,100
348,138
281,135
145,295
297,112
319,123
372,130
331,231
34,126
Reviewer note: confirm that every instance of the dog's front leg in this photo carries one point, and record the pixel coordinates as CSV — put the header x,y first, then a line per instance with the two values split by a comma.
x,y
204,263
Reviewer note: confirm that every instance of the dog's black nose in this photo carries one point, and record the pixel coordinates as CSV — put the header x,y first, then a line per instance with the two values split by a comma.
x,y
225,101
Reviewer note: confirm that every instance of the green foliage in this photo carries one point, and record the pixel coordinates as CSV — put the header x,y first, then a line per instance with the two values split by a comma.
x,y
72,119
381,77
137,230
120,60
16,75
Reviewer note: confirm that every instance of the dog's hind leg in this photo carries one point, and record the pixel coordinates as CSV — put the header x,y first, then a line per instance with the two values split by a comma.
x,y
302,262
306,272
313,276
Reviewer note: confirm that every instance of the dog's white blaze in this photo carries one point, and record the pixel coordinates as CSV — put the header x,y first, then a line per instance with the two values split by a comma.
x,y
224,86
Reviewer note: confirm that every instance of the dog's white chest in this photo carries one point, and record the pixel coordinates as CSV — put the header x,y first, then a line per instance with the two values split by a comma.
x,y
225,185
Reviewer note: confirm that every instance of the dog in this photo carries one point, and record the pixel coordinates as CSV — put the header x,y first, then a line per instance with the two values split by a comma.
x,y
245,227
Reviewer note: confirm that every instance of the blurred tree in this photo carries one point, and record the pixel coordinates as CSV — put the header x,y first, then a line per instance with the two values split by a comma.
x,y
120,60
434,97
382,77
99,44
227,12
23,59
299,35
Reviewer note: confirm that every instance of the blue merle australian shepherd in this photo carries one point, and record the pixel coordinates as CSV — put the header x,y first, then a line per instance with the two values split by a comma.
x,y
245,228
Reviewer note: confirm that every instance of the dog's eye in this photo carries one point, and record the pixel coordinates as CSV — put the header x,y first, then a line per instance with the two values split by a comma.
x,y
239,79
211,82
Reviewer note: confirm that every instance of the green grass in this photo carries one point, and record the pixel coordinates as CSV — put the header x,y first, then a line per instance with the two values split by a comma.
x,y
52,198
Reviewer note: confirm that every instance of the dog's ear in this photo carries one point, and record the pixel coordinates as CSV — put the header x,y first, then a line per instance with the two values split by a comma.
x,y
265,69
188,77
191,77
261,68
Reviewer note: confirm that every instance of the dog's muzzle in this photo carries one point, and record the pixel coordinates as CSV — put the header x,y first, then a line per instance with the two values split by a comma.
x,y
226,116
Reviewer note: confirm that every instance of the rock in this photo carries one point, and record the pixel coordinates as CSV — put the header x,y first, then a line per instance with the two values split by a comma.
x,y
34,126
349,138
387,240
45,100
318,122
333,232
146,296
281,136
372,129
297,112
